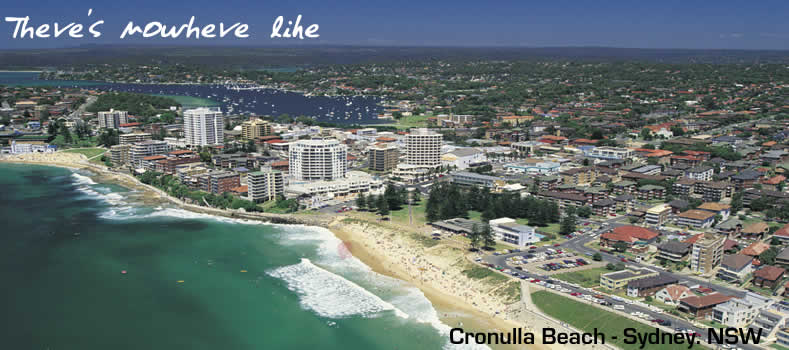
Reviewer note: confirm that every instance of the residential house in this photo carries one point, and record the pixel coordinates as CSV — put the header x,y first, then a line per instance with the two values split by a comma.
x,y
768,277
701,306
755,249
650,285
673,294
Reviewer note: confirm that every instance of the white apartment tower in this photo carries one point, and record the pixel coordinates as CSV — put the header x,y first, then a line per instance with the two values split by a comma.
x,y
423,148
113,119
313,160
203,127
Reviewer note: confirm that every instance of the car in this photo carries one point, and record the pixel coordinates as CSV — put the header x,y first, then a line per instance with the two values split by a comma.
x,y
623,259
533,247
518,268
556,245
535,281
586,224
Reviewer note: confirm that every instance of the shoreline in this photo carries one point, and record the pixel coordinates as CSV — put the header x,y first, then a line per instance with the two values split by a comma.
x,y
475,310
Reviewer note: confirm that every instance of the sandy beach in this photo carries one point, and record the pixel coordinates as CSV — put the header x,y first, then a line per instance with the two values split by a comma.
x,y
477,305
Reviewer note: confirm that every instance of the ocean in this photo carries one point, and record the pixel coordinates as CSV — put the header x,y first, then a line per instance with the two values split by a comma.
x,y
191,281
337,110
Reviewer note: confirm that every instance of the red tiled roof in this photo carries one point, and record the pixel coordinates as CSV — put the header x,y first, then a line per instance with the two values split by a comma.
x,y
770,273
707,300
755,249
276,141
240,189
154,157
128,125
181,151
783,231
629,234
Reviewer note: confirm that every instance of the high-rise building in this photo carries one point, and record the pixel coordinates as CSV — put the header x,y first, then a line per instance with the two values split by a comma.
x,y
312,160
203,127
265,185
707,252
252,129
140,150
113,119
383,156
423,148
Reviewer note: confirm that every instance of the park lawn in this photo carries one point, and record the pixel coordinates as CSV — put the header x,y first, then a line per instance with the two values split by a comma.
x,y
414,121
587,317
776,346
88,152
585,278
417,210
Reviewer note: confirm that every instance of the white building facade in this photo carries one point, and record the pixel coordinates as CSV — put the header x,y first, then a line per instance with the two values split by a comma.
x,y
204,127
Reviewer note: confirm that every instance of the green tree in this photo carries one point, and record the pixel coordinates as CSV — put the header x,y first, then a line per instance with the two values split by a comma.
x,y
487,236
597,257
475,236
383,206
361,201
620,246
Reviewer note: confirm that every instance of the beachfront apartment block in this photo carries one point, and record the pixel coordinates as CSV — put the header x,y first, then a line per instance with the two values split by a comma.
x,y
204,127
112,119
315,160
508,230
423,148
707,253
120,154
252,129
140,150
218,182
265,185
131,138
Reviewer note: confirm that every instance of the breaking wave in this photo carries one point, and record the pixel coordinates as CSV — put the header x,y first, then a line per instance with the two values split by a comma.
x,y
331,295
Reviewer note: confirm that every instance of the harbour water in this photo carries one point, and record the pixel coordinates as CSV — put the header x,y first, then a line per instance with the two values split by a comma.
x,y
235,99
86,265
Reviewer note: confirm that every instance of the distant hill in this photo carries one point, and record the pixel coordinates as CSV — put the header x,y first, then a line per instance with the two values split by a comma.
x,y
257,57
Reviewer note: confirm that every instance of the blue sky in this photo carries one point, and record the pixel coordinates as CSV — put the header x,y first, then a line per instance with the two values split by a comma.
x,y
637,24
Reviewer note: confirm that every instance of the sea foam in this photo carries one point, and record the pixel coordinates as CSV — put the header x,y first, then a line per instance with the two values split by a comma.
x,y
331,295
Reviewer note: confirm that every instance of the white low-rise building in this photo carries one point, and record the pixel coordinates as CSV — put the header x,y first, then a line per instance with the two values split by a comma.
x,y
315,191
508,230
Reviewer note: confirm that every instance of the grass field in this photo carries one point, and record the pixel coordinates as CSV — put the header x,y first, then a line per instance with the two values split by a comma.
x,y
88,152
585,278
418,211
414,121
587,317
